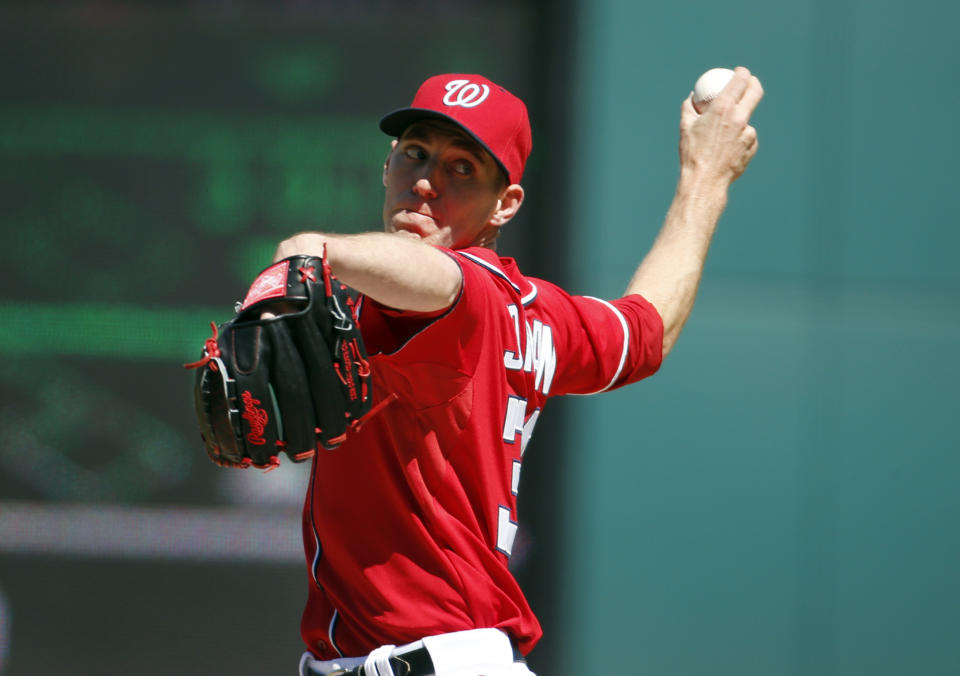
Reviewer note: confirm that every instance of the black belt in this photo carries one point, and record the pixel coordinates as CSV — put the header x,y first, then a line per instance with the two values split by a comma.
x,y
416,662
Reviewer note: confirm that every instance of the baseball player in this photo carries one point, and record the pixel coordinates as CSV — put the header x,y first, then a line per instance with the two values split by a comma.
x,y
409,525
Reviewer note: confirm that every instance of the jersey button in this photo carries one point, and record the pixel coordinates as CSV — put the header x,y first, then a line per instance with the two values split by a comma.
x,y
321,646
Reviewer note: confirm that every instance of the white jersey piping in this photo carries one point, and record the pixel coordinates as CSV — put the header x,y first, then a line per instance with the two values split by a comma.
x,y
489,266
626,343
525,300
333,622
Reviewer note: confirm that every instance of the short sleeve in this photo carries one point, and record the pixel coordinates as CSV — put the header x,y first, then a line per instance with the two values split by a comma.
x,y
602,345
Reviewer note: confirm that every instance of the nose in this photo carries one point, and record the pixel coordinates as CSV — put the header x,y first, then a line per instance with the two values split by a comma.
x,y
424,188
428,181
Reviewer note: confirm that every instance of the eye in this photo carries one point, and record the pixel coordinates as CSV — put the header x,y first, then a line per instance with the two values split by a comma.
x,y
463,167
415,152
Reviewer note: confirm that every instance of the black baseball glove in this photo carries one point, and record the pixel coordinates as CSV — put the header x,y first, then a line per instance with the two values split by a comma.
x,y
293,382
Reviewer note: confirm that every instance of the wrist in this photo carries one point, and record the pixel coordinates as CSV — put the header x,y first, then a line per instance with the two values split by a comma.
x,y
703,179
301,244
695,187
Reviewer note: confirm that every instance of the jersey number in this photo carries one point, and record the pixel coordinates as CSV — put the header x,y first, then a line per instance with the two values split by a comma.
x,y
514,424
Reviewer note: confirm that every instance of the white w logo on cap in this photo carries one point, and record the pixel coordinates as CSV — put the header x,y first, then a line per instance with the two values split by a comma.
x,y
465,93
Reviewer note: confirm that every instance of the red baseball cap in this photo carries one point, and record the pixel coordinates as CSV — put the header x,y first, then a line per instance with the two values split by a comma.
x,y
491,115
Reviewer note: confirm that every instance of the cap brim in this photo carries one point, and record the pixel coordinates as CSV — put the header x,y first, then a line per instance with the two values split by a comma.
x,y
396,123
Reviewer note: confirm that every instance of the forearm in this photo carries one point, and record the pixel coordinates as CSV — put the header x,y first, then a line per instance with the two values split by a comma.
x,y
398,271
715,149
670,273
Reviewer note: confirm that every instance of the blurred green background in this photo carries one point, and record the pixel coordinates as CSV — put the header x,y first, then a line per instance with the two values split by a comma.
x,y
781,498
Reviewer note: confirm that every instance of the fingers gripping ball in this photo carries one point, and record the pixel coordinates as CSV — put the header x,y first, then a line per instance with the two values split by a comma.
x,y
291,382
708,87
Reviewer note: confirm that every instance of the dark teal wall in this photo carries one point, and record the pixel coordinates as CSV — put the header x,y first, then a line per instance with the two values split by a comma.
x,y
782,498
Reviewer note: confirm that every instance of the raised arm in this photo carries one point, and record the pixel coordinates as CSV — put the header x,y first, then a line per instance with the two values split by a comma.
x,y
715,149
395,269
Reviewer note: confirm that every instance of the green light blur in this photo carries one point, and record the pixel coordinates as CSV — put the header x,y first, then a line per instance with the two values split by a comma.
x,y
100,330
196,136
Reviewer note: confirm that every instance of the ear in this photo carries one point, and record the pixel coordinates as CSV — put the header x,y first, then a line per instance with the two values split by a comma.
x,y
386,163
508,205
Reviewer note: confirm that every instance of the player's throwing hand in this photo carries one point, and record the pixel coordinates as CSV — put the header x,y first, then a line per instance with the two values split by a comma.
x,y
720,143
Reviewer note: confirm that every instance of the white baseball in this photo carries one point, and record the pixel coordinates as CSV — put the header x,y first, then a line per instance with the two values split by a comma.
x,y
709,86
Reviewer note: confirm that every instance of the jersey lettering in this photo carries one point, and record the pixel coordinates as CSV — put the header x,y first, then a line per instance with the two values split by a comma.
x,y
540,357
513,361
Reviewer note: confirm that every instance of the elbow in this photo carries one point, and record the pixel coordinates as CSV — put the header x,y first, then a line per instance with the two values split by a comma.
x,y
448,282
674,317
669,340
436,288
453,293
672,327
448,290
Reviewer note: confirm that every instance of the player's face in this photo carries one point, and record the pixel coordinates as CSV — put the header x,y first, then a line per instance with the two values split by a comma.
x,y
442,187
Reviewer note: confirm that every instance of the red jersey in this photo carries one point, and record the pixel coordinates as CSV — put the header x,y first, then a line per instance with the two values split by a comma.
x,y
409,524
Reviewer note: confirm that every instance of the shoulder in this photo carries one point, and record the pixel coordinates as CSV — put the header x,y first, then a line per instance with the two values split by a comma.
x,y
483,264
489,284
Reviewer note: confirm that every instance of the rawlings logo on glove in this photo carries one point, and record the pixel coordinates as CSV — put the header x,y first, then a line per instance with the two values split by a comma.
x,y
292,382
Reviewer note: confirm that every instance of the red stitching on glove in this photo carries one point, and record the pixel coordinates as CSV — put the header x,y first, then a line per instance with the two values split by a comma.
x,y
210,350
308,273
282,445
326,272
363,368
